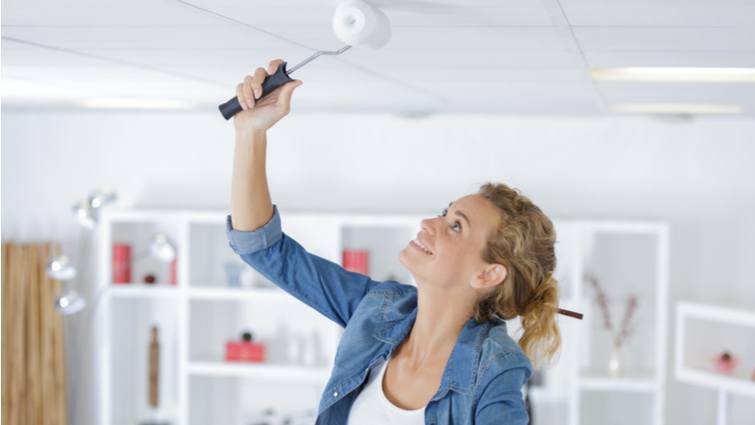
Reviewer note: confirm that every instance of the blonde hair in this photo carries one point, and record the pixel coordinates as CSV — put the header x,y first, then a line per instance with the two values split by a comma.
x,y
524,242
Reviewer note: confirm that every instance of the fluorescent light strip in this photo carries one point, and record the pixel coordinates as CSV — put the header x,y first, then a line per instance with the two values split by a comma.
x,y
675,108
675,74
118,103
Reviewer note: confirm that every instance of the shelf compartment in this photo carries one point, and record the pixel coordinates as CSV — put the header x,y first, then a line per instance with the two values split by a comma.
x,y
547,409
601,407
625,262
213,260
234,400
136,231
283,331
129,359
723,328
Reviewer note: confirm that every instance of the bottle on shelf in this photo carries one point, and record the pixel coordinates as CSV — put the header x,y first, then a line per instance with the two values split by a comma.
x,y
121,263
154,368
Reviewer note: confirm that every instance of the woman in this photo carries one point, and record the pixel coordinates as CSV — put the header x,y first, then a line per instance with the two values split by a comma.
x,y
437,353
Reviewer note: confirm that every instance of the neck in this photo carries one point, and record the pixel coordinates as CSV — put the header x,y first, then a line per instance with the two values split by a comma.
x,y
440,320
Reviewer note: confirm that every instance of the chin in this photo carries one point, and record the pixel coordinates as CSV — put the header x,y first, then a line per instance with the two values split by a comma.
x,y
402,259
406,261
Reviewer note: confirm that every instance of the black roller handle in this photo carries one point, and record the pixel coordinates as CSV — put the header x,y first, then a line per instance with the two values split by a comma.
x,y
271,82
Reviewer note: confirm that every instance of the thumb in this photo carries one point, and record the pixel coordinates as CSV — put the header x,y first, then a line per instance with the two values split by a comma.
x,y
284,98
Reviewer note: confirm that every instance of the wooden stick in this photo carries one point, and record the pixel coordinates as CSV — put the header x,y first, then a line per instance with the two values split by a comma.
x,y
570,313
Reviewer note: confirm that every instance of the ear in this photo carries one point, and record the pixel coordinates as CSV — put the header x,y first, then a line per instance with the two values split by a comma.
x,y
490,276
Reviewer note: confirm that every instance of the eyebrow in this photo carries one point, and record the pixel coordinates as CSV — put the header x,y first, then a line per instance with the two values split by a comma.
x,y
459,213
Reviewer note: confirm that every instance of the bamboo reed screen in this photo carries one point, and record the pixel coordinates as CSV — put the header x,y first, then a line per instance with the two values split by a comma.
x,y
33,367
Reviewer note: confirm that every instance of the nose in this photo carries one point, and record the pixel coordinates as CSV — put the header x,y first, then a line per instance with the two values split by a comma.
x,y
427,225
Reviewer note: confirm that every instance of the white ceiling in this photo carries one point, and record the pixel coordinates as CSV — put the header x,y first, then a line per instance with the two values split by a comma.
x,y
454,56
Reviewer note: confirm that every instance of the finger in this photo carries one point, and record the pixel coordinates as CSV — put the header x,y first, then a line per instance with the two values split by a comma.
x,y
248,96
240,95
273,66
284,98
243,96
259,77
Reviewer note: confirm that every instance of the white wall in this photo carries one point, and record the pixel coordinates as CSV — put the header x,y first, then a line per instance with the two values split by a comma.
x,y
696,174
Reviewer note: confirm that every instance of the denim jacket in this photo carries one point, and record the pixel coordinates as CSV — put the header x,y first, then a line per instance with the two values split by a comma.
x,y
483,379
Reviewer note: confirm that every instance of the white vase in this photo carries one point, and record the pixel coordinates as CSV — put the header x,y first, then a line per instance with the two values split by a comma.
x,y
616,362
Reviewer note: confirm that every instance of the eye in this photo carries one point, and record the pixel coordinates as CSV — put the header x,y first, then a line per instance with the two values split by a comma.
x,y
457,222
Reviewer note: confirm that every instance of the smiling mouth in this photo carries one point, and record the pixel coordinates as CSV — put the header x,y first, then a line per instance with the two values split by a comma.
x,y
419,247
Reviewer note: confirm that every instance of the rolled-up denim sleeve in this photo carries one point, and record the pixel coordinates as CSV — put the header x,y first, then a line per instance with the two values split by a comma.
x,y
502,401
320,283
245,242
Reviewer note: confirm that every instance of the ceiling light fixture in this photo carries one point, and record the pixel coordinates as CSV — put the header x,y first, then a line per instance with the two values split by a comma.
x,y
675,74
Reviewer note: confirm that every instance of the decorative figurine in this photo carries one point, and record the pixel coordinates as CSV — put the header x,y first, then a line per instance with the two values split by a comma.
x,y
725,362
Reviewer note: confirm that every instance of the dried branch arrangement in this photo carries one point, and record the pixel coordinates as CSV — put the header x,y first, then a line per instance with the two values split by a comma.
x,y
622,334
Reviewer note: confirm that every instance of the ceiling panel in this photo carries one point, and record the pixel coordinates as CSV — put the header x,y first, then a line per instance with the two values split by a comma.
x,y
197,36
489,39
99,13
29,62
239,58
109,82
426,13
673,13
667,39
485,76
467,48
326,79
545,96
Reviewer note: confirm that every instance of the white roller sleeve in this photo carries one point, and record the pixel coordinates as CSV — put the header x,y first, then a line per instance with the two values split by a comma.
x,y
356,23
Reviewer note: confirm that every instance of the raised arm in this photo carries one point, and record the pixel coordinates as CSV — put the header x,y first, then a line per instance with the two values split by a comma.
x,y
254,225
251,206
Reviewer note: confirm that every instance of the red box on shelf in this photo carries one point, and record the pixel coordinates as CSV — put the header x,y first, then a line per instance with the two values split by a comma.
x,y
173,271
244,351
356,260
121,263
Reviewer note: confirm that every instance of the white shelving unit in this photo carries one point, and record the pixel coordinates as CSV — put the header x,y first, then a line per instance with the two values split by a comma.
x,y
627,257
198,314
201,312
720,329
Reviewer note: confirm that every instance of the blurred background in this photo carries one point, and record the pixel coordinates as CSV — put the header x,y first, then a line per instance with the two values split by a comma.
x,y
630,123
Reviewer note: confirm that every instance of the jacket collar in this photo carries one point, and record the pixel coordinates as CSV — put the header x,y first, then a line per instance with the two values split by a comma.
x,y
460,374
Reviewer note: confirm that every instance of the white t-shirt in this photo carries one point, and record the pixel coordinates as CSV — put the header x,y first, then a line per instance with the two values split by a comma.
x,y
371,407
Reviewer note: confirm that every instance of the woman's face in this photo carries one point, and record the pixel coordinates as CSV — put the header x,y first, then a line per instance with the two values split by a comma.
x,y
455,239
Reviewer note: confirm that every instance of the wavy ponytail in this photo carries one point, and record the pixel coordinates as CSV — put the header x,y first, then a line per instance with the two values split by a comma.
x,y
524,243
542,337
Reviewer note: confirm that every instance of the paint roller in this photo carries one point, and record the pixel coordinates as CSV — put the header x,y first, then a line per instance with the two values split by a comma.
x,y
355,23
